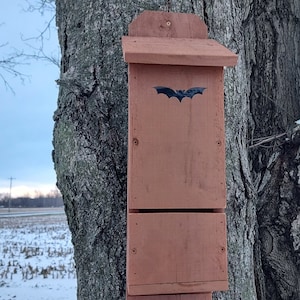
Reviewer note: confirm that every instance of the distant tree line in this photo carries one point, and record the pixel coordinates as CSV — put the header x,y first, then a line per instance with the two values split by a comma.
x,y
40,201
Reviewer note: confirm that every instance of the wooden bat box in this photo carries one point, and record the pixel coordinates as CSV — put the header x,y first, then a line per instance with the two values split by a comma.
x,y
176,157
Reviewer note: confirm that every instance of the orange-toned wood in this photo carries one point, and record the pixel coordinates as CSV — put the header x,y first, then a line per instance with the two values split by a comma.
x,y
176,253
176,160
206,296
176,155
166,24
176,51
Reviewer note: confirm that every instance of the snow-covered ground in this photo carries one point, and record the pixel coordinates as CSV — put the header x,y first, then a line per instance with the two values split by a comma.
x,y
36,256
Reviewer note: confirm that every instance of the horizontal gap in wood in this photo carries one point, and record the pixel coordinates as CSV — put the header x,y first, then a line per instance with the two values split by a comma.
x,y
177,210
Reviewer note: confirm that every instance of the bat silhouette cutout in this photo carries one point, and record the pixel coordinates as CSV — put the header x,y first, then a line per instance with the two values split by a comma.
x,y
179,94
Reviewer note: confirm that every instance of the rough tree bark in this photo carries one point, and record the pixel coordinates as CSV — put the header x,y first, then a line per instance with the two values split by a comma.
x,y
274,101
261,99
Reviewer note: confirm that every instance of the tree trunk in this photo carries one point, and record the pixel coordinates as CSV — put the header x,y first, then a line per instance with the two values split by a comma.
x,y
226,24
90,140
274,102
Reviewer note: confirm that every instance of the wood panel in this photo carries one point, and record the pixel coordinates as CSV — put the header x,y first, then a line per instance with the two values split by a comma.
x,y
175,51
206,296
165,24
176,155
176,160
173,253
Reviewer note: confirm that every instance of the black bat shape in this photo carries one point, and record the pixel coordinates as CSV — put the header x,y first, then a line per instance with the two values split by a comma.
x,y
179,94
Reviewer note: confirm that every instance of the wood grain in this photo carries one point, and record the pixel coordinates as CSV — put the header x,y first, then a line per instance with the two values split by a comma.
x,y
165,24
173,253
176,154
202,296
176,160
176,51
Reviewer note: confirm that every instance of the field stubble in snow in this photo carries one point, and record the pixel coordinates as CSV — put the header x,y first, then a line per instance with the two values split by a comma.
x,y
36,258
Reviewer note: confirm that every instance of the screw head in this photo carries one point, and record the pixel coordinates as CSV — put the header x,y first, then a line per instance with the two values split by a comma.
x,y
135,141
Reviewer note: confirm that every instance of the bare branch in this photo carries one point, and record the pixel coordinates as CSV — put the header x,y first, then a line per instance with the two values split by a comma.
x,y
8,65
40,54
43,6
268,139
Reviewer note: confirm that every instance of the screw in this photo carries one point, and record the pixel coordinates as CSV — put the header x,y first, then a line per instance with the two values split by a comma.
x,y
135,141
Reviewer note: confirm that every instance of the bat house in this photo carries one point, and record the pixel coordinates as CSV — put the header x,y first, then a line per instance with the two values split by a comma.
x,y
176,225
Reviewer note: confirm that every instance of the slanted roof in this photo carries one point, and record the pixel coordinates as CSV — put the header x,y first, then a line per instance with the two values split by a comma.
x,y
176,51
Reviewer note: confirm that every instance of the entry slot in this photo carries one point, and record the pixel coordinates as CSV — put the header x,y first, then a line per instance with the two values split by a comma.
x,y
177,210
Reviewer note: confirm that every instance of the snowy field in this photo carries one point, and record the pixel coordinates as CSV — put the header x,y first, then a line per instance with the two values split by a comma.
x,y
36,256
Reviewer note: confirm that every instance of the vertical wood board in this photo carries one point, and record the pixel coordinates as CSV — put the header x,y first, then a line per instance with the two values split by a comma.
x,y
176,150
166,24
173,253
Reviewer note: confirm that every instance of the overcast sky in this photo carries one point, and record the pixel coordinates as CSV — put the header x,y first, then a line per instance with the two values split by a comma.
x,y
26,123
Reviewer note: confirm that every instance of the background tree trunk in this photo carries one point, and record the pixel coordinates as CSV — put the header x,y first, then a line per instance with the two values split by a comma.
x,y
261,98
274,103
